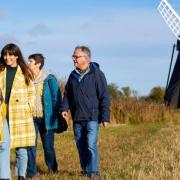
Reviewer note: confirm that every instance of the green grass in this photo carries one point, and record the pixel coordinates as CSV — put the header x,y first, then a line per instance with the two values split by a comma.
x,y
145,151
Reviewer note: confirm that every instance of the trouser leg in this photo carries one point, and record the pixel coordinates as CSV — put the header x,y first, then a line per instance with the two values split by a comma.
x,y
5,153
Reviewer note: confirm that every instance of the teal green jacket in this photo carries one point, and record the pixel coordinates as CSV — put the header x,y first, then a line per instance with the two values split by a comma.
x,y
52,101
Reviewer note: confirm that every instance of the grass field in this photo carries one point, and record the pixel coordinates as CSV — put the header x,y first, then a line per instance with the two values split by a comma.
x,y
145,151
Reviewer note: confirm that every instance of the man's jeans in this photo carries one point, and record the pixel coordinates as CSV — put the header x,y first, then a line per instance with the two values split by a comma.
x,y
21,157
86,136
47,138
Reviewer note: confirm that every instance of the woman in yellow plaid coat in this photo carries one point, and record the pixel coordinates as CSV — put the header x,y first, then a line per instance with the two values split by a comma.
x,y
16,121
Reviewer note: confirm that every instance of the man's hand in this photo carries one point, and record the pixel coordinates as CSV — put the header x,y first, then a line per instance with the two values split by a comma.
x,y
105,124
64,114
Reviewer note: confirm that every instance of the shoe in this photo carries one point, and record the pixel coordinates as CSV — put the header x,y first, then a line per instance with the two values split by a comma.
x,y
21,178
28,177
51,171
83,173
93,175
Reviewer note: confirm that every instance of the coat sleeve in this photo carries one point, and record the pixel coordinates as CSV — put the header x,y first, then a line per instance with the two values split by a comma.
x,y
55,95
103,96
31,96
65,104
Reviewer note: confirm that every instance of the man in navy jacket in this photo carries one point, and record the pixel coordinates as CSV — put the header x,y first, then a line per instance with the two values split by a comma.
x,y
86,95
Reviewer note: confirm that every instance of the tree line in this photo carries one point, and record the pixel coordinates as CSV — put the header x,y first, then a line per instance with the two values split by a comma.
x,y
156,94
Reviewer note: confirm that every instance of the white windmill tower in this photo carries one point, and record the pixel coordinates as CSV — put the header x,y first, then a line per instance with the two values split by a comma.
x,y
172,19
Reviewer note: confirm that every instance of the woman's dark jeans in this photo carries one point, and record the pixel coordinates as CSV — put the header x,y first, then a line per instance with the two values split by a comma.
x,y
47,138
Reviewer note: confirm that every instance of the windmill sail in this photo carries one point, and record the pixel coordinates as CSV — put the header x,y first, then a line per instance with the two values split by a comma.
x,y
170,16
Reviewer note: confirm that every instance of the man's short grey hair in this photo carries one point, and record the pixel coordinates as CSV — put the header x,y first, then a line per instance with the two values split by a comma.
x,y
84,49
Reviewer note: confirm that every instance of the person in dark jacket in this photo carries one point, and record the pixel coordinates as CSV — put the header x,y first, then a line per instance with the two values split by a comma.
x,y
48,100
86,95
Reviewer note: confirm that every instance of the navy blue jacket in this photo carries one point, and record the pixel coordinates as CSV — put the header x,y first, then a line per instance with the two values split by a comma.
x,y
51,101
88,99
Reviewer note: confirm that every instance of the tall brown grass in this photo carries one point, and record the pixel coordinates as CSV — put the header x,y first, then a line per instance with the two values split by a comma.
x,y
134,110
131,110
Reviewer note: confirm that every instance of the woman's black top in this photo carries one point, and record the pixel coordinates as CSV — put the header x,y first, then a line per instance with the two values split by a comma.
x,y
10,74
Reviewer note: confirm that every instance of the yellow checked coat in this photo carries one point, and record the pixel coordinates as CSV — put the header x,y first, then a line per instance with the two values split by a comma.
x,y
21,105
1,127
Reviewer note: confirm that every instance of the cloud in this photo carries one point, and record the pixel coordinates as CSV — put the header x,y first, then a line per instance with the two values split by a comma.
x,y
175,5
6,39
5,14
127,43
39,30
105,28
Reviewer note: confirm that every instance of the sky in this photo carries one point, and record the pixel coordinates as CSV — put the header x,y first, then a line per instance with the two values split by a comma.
x,y
129,39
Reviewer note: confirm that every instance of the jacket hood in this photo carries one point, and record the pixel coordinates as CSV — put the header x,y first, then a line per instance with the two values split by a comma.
x,y
41,77
93,67
49,76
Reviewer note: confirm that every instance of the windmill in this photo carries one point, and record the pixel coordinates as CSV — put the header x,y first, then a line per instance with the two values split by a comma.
x,y
170,16
172,19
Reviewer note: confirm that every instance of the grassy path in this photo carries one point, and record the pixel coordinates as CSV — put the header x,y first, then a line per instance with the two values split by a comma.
x,y
146,151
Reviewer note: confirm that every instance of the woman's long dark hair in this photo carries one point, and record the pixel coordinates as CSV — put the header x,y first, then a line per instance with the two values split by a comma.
x,y
13,49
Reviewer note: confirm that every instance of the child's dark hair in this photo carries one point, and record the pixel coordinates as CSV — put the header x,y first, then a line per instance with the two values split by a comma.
x,y
38,58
